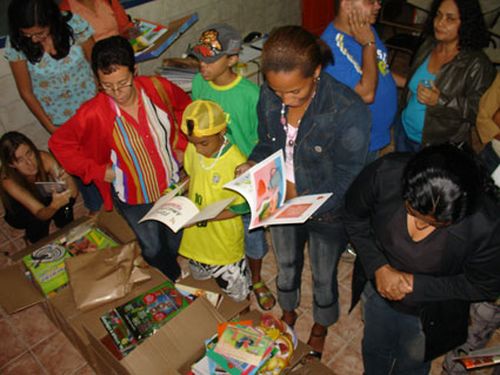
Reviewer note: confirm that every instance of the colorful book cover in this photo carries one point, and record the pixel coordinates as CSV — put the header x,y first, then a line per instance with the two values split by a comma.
x,y
94,239
147,34
244,344
143,315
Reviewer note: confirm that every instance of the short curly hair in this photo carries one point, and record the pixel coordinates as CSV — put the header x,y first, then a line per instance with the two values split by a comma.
x,y
473,33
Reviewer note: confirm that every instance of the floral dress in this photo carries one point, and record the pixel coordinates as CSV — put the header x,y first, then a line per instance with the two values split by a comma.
x,y
61,86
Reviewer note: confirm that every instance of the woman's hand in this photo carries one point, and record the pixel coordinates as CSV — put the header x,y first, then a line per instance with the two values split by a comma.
x,y
360,27
109,176
428,95
392,284
60,199
242,168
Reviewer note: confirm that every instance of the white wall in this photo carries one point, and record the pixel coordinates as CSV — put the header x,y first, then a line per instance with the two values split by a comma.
x,y
244,15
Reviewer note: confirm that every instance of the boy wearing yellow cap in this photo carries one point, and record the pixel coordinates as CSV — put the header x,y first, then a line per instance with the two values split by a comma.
x,y
214,248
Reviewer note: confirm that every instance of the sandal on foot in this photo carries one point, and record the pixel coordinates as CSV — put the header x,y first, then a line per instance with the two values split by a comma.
x,y
265,299
315,355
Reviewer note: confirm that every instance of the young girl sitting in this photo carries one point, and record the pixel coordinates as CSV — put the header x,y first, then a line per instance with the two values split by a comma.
x,y
214,248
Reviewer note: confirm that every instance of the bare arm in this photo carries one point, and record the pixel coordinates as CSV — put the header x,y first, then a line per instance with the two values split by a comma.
x,y
363,34
23,82
36,207
399,79
58,173
87,48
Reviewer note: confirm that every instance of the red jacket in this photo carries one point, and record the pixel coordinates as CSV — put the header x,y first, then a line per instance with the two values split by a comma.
x,y
83,144
122,19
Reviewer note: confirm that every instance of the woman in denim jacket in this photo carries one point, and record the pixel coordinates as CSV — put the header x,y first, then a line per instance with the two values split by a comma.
x,y
323,128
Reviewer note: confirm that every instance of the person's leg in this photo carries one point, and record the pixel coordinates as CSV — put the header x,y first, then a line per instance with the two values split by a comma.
x,y
91,197
327,240
158,243
255,250
393,342
233,279
35,229
288,245
484,320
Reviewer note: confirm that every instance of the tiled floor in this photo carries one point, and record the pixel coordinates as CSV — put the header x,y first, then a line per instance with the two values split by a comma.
x,y
31,344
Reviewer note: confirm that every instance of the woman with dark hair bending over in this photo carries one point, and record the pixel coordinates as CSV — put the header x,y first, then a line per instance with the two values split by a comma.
x,y
49,53
449,74
426,229
26,206
323,128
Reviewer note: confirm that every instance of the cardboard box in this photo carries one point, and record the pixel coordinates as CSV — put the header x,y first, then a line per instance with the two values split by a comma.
x,y
18,293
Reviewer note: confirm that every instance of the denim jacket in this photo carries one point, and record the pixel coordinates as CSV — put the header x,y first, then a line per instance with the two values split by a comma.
x,y
331,144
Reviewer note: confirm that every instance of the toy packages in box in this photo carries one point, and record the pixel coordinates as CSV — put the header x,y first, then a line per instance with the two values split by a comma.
x,y
46,264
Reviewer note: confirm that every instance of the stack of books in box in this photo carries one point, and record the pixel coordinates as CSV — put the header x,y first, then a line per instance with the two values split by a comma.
x,y
242,349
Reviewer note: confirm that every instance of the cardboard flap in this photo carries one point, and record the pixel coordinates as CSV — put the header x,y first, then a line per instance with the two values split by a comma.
x,y
112,222
23,295
180,341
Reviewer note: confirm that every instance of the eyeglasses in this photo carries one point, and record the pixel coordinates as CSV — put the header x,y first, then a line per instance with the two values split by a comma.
x,y
118,88
39,35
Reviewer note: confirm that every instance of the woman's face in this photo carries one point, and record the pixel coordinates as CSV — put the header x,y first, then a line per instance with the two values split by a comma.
x,y
292,87
119,84
37,34
447,22
25,161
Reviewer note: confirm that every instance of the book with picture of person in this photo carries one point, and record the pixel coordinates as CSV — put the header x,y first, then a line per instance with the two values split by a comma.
x,y
264,188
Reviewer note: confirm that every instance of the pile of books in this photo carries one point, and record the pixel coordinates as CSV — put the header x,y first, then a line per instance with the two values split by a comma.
x,y
243,349
131,323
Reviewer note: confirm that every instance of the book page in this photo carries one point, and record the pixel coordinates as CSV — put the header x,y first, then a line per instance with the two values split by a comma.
x,y
173,212
296,210
210,211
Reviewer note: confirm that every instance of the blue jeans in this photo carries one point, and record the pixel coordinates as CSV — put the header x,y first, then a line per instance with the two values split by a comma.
x,y
326,241
401,141
393,342
92,199
255,240
158,243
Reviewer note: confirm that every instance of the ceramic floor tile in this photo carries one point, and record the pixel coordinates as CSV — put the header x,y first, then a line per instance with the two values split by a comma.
x,y
85,370
11,345
58,356
33,325
24,365
347,362
11,233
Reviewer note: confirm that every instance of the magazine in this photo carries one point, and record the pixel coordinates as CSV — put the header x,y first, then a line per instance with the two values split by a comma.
x,y
177,212
480,358
146,34
264,188
191,293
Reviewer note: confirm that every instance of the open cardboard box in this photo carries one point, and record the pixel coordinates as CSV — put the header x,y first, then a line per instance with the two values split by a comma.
x,y
18,293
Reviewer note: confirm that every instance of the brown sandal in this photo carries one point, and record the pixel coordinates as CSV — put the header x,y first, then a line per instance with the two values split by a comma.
x,y
315,355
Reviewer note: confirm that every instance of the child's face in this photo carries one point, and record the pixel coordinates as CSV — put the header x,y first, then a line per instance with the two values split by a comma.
x,y
211,71
208,145
119,84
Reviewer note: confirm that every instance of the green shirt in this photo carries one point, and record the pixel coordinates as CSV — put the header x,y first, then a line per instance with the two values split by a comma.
x,y
239,100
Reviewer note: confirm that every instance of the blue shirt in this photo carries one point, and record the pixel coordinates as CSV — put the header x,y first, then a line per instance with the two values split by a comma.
x,y
413,116
383,109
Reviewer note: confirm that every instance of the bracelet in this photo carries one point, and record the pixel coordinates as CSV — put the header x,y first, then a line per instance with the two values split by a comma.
x,y
369,43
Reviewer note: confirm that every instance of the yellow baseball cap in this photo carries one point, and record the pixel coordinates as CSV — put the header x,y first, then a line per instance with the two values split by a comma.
x,y
207,116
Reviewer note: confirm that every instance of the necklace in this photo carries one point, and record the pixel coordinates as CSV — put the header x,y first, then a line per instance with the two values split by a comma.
x,y
284,117
217,156
339,39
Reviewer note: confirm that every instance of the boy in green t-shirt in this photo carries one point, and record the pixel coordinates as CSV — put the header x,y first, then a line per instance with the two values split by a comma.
x,y
215,247
217,50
